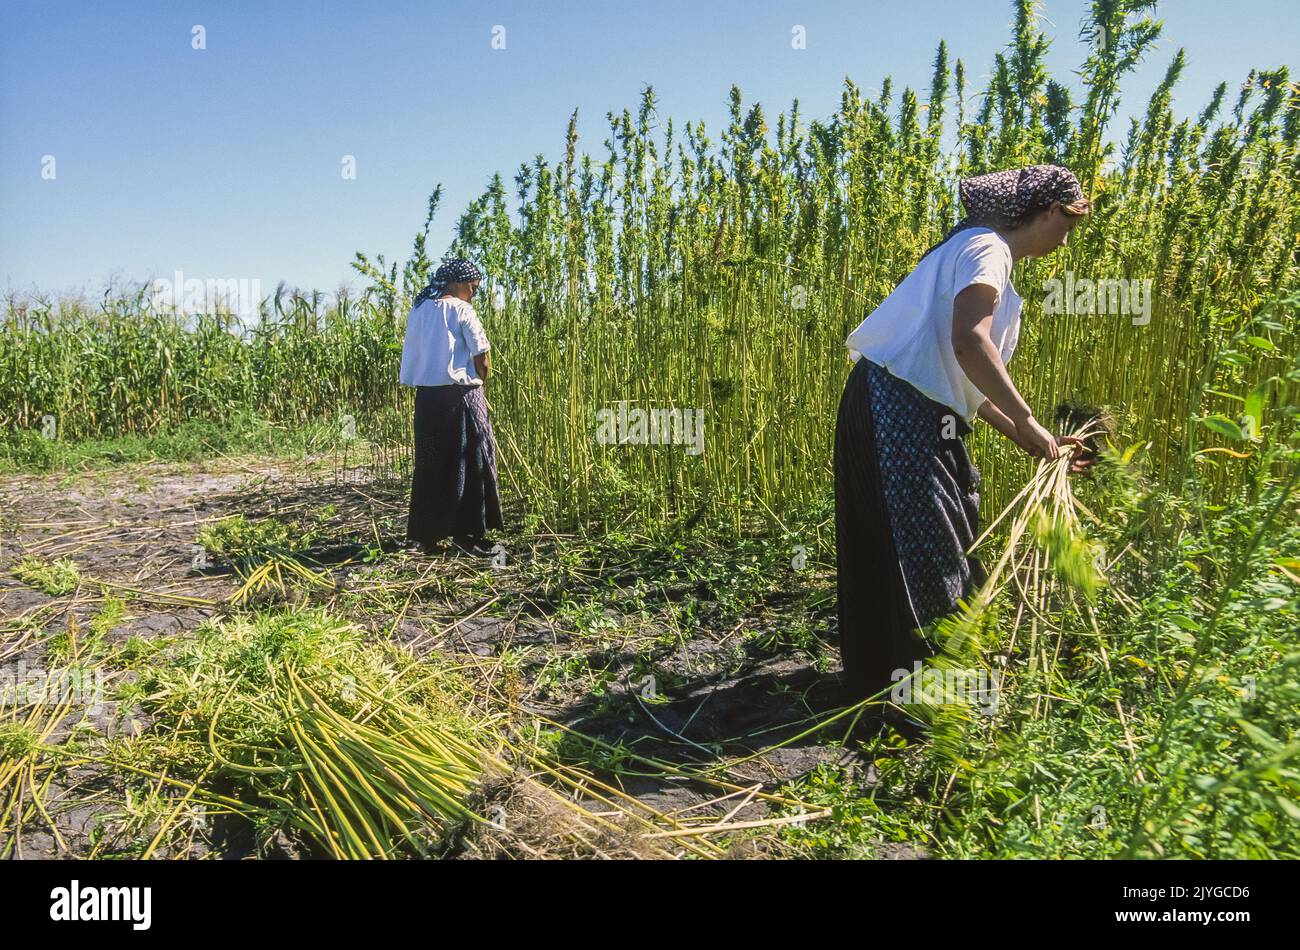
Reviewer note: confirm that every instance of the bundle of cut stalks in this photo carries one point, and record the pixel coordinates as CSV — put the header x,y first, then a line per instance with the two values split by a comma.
x,y
1047,564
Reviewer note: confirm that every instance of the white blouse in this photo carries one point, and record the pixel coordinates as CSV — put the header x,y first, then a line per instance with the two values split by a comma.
x,y
910,333
442,337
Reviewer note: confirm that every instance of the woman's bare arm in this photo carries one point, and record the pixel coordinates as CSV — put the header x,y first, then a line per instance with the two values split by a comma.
x,y
972,319
998,420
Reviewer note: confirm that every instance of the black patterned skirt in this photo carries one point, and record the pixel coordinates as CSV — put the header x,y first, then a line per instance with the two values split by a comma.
x,y
906,511
454,484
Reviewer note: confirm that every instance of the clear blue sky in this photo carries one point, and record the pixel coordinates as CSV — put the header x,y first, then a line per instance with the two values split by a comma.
x,y
225,162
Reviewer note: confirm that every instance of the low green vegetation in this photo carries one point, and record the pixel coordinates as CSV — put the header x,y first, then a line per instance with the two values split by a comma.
x,y
53,577
1136,641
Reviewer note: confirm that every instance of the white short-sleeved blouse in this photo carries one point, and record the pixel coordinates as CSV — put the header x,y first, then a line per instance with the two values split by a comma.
x,y
910,333
442,337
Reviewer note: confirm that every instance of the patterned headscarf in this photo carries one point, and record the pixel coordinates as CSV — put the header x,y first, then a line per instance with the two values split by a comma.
x,y
453,270
1007,199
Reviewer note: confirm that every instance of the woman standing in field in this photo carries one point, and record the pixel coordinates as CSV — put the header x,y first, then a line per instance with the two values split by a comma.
x,y
445,357
927,361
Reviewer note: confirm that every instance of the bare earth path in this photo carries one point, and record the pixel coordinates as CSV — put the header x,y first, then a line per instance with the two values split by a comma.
x,y
131,532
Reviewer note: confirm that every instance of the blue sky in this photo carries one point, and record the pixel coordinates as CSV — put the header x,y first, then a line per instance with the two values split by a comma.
x,y
226,162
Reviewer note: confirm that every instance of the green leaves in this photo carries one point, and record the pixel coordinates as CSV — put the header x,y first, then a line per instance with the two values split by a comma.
x,y
1259,736
1223,426
1185,628
1247,427
1253,414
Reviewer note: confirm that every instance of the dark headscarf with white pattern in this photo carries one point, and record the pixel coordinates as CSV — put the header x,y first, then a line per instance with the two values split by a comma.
x,y
1007,199
456,269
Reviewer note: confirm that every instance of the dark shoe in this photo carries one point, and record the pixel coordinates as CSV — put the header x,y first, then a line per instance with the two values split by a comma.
x,y
472,547
868,726
428,548
911,729
877,721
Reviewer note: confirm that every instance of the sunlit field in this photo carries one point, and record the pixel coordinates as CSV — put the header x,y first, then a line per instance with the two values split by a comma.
x,y
204,513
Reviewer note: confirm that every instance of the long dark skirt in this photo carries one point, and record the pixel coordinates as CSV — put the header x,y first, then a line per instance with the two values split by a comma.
x,y
906,511
454,485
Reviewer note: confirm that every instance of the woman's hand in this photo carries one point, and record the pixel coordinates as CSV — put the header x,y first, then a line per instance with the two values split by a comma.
x,y
1080,463
1036,440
